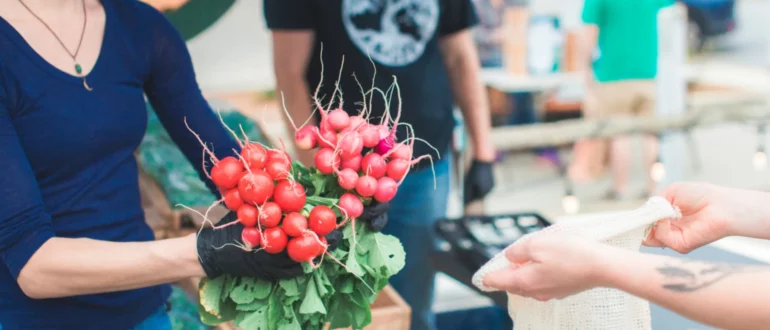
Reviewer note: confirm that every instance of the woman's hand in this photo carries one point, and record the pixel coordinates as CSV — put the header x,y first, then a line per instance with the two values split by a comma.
x,y
551,266
218,254
710,213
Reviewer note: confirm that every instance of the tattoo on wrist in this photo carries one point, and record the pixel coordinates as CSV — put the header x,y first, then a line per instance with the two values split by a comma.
x,y
689,275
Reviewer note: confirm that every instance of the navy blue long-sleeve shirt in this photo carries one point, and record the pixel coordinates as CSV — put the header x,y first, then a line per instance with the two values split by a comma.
x,y
66,155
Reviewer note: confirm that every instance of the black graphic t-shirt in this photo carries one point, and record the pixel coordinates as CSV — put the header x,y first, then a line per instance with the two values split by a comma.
x,y
401,37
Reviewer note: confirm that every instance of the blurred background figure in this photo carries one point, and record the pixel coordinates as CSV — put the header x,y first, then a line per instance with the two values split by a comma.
x,y
621,80
490,36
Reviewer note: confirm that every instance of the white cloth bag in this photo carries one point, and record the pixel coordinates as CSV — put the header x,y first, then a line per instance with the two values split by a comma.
x,y
595,309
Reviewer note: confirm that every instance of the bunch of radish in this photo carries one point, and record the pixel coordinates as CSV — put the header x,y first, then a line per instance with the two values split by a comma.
x,y
365,158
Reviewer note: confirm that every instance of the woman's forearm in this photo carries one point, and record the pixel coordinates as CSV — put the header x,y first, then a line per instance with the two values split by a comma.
x,y
722,295
68,267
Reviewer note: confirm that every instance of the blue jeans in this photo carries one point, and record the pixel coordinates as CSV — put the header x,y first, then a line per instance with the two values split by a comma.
x,y
413,213
157,321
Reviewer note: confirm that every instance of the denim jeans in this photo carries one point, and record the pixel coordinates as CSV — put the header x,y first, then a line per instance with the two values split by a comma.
x,y
157,321
414,210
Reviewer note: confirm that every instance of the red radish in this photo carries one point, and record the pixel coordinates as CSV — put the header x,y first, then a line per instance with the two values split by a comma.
x,y
351,205
274,240
273,154
233,199
385,145
326,161
269,215
294,224
327,138
322,220
401,151
338,119
350,145
304,249
227,172
374,165
247,215
289,195
251,237
353,163
384,132
347,178
369,135
255,187
356,122
254,155
397,168
386,189
278,169
366,186
306,138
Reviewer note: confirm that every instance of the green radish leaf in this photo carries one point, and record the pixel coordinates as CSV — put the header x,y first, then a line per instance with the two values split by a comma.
x,y
263,289
208,318
275,308
386,252
227,311
293,324
342,316
323,285
252,306
353,266
347,285
227,287
256,320
249,289
290,287
312,302
210,292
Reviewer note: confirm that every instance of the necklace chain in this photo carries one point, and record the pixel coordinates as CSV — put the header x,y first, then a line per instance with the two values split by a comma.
x,y
80,41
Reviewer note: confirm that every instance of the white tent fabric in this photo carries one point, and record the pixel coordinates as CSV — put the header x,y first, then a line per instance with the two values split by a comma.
x,y
600,308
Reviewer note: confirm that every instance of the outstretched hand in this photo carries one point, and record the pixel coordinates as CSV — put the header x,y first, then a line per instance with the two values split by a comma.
x,y
709,213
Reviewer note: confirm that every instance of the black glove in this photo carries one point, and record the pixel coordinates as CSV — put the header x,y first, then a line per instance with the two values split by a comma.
x,y
218,255
479,181
376,215
333,239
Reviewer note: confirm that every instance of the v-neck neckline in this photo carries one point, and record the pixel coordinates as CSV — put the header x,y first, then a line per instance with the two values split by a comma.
x,y
41,62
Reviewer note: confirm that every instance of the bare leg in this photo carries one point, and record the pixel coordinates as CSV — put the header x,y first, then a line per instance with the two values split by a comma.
x,y
620,159
651,156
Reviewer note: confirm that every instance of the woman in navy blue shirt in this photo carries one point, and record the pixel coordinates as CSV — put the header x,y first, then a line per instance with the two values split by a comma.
x,y
75,250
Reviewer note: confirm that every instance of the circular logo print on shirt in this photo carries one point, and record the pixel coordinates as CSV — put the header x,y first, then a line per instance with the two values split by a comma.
x,y
392,32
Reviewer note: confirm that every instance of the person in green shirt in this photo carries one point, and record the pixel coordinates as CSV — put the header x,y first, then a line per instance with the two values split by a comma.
x,y
621,79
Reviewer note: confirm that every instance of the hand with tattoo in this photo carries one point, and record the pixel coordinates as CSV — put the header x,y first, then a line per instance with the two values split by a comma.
x,y
710,213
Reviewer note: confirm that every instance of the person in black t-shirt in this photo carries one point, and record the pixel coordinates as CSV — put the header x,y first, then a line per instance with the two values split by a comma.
x,y
428,46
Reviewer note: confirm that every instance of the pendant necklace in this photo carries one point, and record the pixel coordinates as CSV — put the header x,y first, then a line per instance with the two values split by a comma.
x,y
78,68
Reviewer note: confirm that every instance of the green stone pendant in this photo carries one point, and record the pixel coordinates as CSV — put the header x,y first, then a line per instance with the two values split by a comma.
x,y
78,68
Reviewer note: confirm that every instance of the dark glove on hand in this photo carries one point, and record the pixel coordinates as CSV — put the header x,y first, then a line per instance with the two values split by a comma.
x,y
333,239
218,259
479,181
376,215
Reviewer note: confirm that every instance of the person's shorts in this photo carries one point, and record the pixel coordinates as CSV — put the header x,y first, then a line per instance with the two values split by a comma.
x,y
623,98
